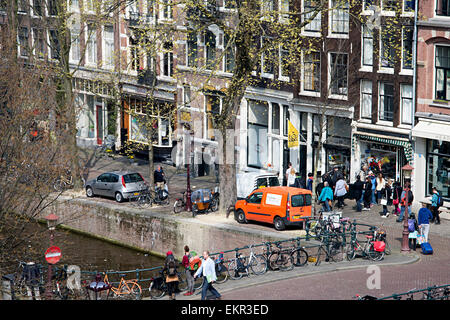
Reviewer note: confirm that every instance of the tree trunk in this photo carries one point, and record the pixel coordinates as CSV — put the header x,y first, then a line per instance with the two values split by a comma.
x,y
227,171
151,169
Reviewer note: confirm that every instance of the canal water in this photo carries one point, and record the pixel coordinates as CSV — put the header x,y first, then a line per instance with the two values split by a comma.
x,y
90,254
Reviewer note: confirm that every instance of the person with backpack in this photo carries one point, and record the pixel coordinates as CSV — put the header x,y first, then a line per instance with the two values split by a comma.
x,y
436,202
188,270
170,270
412,228
326,196
208,271
423,220
406,199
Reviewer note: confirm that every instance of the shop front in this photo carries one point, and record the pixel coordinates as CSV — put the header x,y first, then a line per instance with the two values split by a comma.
x,y
381,154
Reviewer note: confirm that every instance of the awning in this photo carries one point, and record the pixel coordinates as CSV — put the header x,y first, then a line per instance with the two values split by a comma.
x,y
432,130
400,142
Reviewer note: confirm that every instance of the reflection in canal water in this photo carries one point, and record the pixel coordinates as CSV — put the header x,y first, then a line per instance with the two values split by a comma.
x,y
92,254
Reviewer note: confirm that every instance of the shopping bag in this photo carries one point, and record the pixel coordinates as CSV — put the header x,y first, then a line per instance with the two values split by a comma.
x,y
420,238
383,202
412,235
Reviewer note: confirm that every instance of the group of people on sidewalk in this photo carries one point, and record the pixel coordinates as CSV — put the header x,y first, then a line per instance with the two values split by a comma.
x,y
193,267
334,187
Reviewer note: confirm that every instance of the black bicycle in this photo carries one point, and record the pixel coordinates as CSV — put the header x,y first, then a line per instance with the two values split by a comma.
x,y
158,286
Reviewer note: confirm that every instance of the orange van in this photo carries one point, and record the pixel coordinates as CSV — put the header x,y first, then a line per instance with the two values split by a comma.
x,y
280,206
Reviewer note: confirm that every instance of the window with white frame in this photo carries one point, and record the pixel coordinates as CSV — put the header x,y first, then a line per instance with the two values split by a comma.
x,y
310,8
387,47
23,42
442,72
407,47
443,7
229,48
135,57
38,8
212,110
89,5
74,5
91,44
267,57
311,71
388,5
284,10
409,5
267,6
339,17
166,10
210,49
191,49
284,62
22,6
338,74
52,8
167,61
75,54
386,102
38,43
108,45
366,99
406,91
54,44
367,46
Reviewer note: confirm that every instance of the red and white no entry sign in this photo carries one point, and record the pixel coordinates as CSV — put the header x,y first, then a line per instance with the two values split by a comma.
x,y
53,255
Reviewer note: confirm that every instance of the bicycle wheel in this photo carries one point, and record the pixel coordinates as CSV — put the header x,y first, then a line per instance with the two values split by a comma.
x,y
221,273
157,288
233,270
258,264
198,283
286,262
273,260
144,201
182,283
178,206
374,255
322,255
350,251
387,249
132,289
336,251
300,257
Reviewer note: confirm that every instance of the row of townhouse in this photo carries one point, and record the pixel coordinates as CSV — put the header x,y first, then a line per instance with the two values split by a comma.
x,y
377,107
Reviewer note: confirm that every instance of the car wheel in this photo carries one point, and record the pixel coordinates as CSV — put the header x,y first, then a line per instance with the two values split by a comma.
x,y
279,224
240,216
89,192
119,197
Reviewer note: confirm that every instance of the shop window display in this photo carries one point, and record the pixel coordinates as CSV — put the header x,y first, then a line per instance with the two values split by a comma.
x,y
438,163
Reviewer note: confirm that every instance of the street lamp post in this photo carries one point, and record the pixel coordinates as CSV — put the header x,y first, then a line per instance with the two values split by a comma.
x,y
407,170
52,221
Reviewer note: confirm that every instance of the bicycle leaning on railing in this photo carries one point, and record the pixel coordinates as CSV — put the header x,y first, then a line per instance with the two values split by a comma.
x,y
125,289
158,286
241,265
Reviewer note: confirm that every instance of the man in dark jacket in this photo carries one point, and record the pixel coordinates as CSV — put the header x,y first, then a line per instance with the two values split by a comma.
x,y
159,177
358,188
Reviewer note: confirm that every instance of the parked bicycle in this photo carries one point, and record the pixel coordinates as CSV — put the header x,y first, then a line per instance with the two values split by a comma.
x,y
299,256
221,272
380,235
64,182
366,249
241,265
106,148
158,286
61,291
180,203
28,278
126,288
280,258
330,249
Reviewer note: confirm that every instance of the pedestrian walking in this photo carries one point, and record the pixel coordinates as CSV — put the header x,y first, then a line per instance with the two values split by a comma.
x,y
170,270
379,189
188,270
436,201
367,193
406,199
290,175
299,182
423,220
373,180
309,183
396,193
413,232
326,197
386,198
340,191
358,189
208,271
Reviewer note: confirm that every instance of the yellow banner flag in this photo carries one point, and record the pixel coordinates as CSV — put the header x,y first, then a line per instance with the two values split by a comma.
x,y
292,135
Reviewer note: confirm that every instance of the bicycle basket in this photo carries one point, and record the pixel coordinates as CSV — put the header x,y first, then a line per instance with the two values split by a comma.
x,y
379,246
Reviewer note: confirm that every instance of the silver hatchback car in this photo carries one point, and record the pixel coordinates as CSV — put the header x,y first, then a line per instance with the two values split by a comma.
x,y
119,185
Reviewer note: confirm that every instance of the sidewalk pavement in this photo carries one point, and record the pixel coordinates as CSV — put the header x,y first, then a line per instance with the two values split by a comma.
x,y
439,234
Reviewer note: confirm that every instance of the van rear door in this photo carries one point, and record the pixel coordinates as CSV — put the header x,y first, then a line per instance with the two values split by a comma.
x,y
300,206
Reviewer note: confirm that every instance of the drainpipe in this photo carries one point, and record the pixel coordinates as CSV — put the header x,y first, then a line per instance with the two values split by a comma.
x,y
414,62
